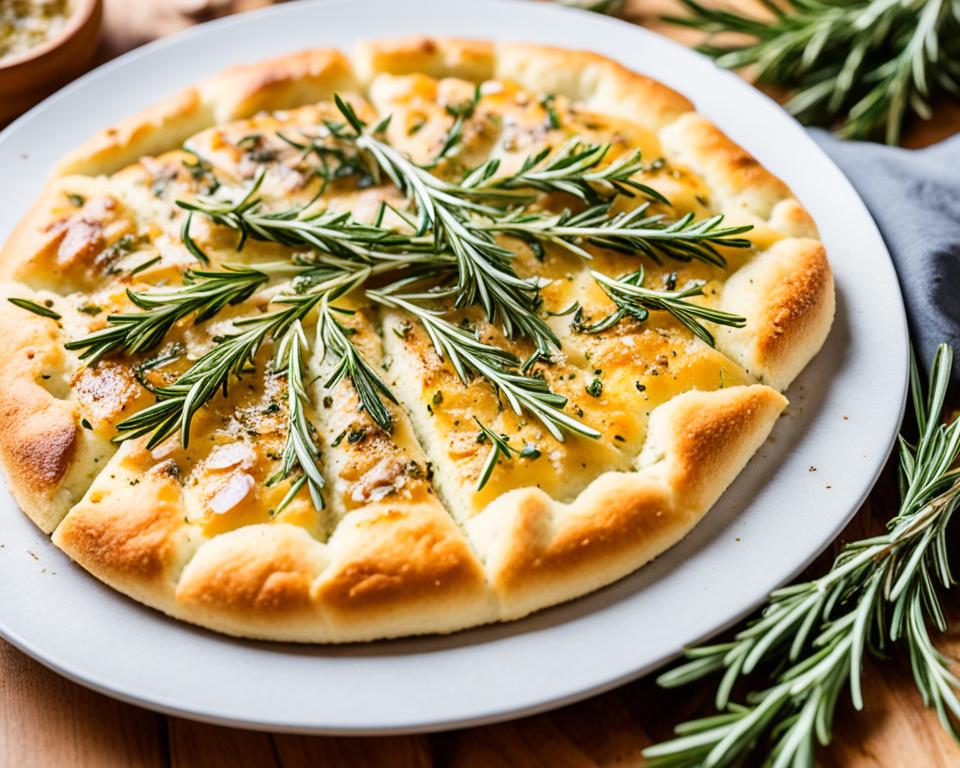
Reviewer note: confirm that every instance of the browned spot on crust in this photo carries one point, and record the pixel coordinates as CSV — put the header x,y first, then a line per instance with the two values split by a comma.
x,y
44,453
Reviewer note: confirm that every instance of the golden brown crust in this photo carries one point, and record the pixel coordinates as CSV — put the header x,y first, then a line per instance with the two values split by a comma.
x,y
404,567
158,128
787,296
396,563
400,569
285,82
261,571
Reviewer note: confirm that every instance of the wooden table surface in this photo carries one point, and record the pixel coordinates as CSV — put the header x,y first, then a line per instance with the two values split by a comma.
x,y
48,721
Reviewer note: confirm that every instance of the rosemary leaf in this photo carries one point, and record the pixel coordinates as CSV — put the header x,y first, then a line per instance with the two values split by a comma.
x,y
337,234
608,7
179,402
486,276
37,309
575,169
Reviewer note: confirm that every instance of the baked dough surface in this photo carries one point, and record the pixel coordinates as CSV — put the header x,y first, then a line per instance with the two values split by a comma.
x,y
405,543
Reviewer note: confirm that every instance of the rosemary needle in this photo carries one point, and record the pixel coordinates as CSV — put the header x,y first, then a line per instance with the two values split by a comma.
x,y
575,169
37,309
635,231
179,402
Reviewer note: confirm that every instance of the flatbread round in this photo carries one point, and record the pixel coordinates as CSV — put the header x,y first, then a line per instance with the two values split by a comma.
x,y
405,541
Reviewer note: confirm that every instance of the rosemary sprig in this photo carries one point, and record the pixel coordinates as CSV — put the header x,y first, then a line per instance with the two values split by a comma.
x,y
300,449
864,63
471,357
499,448
633,300
810,638
335,340
486,276
332,233
629,232
179,402
575,169
204,294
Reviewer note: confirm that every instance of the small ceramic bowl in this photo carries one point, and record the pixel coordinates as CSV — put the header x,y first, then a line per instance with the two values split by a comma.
x,y
35,73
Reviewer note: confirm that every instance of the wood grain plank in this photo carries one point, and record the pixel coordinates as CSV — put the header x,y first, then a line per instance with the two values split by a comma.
x,y
193,744
48,721
393,751
535,742
605,728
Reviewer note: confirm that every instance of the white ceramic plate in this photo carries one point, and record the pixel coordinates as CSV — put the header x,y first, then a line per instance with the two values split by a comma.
x,y
775,518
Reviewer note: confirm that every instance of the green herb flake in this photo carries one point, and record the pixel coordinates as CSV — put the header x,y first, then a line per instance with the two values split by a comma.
x,y
530,451
553,120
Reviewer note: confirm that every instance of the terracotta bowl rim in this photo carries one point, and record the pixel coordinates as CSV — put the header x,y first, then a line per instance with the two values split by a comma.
x,y
77,21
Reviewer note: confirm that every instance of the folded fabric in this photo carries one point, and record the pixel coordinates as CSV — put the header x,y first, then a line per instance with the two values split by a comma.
x,y
914,196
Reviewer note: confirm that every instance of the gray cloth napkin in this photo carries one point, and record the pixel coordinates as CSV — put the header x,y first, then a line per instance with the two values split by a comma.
x,y
914,196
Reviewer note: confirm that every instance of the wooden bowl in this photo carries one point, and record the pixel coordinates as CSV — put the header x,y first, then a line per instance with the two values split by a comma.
x,y
35,73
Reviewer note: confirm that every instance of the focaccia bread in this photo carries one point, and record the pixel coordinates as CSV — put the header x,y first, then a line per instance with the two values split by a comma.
x,y
288,369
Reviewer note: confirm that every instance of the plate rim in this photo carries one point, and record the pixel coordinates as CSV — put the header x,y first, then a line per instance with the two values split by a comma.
x,y
180,709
